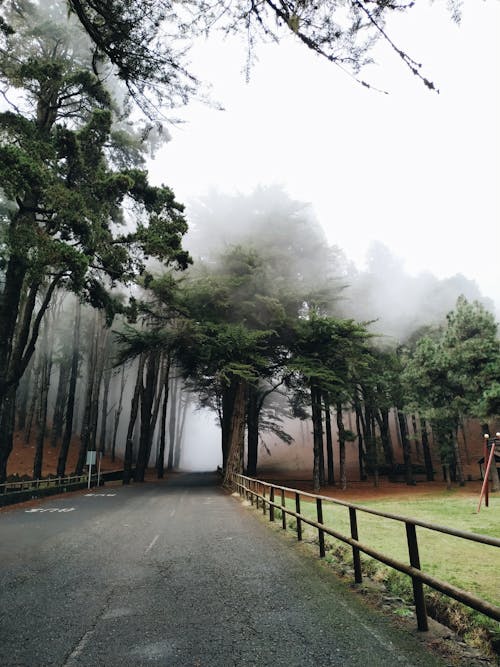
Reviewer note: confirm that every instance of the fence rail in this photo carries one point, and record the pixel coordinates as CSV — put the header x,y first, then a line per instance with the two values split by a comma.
x,y
15,492
258,492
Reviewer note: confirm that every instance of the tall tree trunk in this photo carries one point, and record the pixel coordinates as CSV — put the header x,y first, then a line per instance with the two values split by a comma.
x,y
23,396
228,398
329,440
382,417
464,438
46,357
406,449
429,470
70,404
183,404
147,396
171,422
35,394
341,432
458,458
237,433
361,450
317,434
134,410
418,449
252,430
160,460
7,423
118,413
104,410
87,423
60,404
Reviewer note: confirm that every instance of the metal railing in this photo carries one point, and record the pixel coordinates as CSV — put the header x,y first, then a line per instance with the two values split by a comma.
x,y
255,490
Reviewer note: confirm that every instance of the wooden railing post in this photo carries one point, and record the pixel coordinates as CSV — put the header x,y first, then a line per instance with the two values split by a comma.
x,y
263,499
299,522
283,513
321,533
418,587
356,559
271,506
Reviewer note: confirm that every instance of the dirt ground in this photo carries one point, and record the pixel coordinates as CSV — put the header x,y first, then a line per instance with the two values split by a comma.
x,y
23,454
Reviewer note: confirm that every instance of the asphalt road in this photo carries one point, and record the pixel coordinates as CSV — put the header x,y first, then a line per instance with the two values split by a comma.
x,y
178,573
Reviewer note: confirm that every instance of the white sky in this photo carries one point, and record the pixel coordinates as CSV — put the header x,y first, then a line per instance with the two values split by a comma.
x,y
413,169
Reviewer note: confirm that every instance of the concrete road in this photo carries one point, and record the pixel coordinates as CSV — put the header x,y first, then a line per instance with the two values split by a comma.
x,y
178,573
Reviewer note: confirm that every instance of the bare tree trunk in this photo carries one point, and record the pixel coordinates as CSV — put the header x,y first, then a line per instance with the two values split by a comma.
x,y
466,446
418,449
134,409
341,431
237,434
35,394
46,359
70,405
118,413
87,422
180,423
429,470
317,435
361,450
60,404
147,396
160,460
7,423
458,458
329,441
406,449
108,372
171,423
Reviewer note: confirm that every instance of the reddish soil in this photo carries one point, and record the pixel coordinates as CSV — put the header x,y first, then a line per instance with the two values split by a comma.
x,y
365,491
22,456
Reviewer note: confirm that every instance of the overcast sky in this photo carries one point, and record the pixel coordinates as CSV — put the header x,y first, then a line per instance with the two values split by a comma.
x,y
416,170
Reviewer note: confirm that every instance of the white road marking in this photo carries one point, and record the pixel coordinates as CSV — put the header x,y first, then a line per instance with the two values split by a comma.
x,y
51,509
172,513
152,544
100,494
78,650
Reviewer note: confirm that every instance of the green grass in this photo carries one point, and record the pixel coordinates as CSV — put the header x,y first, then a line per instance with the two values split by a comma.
x,y
471,566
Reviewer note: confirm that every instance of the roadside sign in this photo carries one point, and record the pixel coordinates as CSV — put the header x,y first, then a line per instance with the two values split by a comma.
x,y
91,458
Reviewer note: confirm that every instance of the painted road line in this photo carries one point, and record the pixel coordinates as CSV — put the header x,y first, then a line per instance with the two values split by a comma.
x,y
51,509
106,495
152,544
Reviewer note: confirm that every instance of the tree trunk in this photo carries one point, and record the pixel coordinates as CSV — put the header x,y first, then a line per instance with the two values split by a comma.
x,y
134,410
382,416
237,433
429,470
341,432
458,458
418,449
183,404
406,449
147,396
228,398
7,423
160,459
329,441
87,423
171,423
70,405
361,451
464,437
60,404
104,410
46,357
118,413
317,434
252,431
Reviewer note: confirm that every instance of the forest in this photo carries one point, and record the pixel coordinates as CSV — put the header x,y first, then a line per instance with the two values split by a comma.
x,y
117,312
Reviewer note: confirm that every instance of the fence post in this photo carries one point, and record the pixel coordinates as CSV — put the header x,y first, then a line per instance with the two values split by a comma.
x,y
263,500
321,533
283,513
418,588
358,577
271,506
299,522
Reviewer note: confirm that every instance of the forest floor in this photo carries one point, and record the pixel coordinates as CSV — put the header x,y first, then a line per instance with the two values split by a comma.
x,y
23,454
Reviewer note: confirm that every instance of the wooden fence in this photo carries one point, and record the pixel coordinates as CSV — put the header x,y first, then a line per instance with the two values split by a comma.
x,y
263,492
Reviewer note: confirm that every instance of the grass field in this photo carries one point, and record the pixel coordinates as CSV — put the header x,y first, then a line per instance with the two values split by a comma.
x,y
468,565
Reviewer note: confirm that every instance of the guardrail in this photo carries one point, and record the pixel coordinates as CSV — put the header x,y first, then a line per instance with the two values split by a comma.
x,y
15,492
255,490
